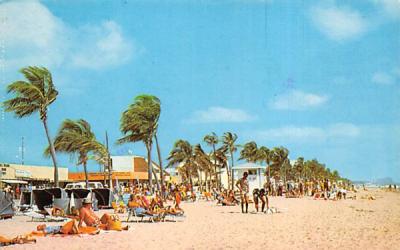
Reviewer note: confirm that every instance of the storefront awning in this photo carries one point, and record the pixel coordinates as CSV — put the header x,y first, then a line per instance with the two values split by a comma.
x,y
14,181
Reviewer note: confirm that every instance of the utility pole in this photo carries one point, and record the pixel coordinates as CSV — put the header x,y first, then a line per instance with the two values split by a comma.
x,y
22,150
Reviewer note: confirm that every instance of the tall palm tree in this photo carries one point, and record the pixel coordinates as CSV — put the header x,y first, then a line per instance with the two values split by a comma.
x,y
280,160
221,161
265,155
76,137
160,162
299,167
204,164
31,96
139,123
182,154
101,155
212,140
229,140
249,152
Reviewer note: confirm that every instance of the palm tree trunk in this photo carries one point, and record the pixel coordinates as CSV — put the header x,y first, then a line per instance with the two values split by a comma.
x,y
156,179
232,177
52,152
205,180
86,174
200,181
160,163
149,167
216,173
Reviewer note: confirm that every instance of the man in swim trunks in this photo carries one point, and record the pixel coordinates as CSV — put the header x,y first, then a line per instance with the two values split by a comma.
x,y
87,215
243,185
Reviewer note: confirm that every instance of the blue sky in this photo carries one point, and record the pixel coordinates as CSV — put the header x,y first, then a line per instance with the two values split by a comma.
x,y
320,78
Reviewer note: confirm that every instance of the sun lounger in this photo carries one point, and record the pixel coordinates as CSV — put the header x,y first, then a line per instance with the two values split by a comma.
x,y
141,216
42,217
175,217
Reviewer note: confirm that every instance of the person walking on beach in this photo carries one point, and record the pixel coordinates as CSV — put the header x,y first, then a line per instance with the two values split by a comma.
x,y
243,185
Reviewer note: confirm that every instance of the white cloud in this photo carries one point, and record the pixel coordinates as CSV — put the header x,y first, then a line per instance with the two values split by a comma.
x,y
391,7
297,100
337,130
382,78
32,35
220,115
105,45
338,24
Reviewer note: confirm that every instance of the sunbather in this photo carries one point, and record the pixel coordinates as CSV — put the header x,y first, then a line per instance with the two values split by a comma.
x,y
87,215
70,227
136,202
17,240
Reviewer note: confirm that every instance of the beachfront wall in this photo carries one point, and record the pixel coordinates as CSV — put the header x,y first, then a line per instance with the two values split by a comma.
x,y
256,173
124,169
31,173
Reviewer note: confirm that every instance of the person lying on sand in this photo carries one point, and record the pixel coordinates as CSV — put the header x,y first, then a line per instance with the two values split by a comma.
x,y
87,216
70,227
17,240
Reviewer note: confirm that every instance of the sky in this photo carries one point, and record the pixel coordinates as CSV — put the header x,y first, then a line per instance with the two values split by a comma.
x,y
321,78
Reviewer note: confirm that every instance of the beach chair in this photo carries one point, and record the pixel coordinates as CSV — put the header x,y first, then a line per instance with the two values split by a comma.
x,y
139,217
43,217
174,216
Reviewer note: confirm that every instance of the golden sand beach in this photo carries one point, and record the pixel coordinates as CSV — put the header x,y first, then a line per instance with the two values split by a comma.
x,y
302,224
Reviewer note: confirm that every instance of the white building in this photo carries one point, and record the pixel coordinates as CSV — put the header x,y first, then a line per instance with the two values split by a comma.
x,y
256,178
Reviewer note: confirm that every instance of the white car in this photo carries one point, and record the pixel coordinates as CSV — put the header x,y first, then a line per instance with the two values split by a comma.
x,y
83,185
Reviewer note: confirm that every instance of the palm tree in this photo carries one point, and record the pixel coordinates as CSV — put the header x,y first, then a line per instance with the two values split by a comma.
x,y
221,160
280,160
182,153
204,164
212,140
101,155
139,123
31,96
249,152
229,140
76,137
265,155
160,162
299,167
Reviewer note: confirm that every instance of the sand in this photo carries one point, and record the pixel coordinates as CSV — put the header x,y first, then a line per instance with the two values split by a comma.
x,y
303,224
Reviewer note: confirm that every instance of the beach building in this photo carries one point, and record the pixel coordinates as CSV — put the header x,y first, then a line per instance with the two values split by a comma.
x,y
18,174
256,173
125,169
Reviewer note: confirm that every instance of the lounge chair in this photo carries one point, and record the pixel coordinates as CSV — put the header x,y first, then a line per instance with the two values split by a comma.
x,y
152,218
179,216
43,217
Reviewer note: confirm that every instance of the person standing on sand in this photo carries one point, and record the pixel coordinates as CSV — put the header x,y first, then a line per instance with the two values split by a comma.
x,y
243,185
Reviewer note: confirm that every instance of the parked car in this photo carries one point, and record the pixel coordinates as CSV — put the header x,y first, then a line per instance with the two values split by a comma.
x,y
83,185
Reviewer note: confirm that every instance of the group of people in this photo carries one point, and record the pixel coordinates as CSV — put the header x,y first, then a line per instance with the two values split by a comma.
x,y
318,189
142,202
259,195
